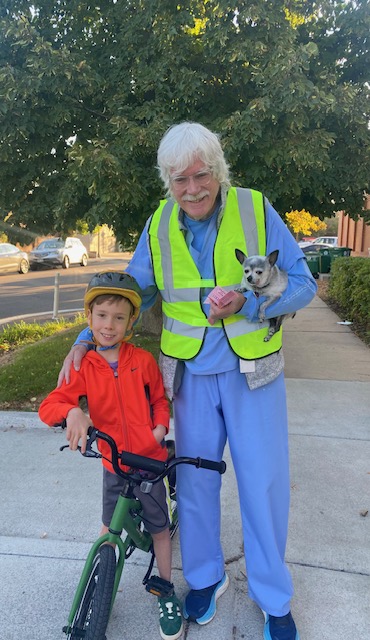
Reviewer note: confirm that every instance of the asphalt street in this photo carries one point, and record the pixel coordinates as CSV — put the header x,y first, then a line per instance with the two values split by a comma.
x,y
31,296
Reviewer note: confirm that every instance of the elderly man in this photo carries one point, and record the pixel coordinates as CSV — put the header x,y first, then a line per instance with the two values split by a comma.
x,y
226,382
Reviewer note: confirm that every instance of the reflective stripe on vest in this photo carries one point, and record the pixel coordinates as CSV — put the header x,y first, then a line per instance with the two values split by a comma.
x,y
182,288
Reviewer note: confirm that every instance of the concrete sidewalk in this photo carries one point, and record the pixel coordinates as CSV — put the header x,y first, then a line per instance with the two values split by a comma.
x,y
51,510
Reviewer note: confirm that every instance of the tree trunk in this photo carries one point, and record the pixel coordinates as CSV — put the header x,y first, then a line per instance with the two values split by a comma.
x,y
152,319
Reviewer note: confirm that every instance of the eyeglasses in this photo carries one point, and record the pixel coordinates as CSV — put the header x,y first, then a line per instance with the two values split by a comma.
x,y
201,178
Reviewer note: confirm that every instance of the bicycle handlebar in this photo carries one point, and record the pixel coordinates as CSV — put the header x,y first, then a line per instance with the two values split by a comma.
x,y
134,461
210,464
158,467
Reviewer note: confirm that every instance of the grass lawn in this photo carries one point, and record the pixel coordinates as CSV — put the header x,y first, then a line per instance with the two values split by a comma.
x,y
28,373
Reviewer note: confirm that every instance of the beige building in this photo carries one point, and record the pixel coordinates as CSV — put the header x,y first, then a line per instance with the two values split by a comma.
x,y
99,243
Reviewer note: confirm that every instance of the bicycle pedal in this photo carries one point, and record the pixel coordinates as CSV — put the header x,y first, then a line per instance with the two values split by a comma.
x,y
146,486
159,587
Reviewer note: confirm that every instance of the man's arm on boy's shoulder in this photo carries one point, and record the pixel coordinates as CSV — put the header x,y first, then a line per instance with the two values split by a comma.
x,y
73,359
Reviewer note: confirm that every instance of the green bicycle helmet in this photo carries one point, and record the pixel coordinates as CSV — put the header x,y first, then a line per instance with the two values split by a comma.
x,y
114,283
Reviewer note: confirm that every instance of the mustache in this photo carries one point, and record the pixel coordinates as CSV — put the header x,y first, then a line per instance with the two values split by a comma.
x,y
190,198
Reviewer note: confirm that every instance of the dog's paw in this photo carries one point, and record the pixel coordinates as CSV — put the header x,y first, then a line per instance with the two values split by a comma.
x,y
269,335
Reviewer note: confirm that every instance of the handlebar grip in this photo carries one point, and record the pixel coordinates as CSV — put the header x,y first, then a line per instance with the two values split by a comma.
x,y
212,465
140,462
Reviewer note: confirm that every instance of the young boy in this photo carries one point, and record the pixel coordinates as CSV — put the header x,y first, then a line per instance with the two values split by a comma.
x,y
126,399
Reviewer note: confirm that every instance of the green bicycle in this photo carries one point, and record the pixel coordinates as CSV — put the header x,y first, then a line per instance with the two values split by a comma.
x,y
98,585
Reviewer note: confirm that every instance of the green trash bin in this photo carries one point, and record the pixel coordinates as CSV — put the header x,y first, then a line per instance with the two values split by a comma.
x,y
340,252
325,255
313,262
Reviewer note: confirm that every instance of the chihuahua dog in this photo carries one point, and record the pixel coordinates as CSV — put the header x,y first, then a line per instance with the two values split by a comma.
x,y
262,276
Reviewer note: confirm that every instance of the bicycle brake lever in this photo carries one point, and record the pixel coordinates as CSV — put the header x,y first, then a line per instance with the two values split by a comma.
x,y
92,433
89,453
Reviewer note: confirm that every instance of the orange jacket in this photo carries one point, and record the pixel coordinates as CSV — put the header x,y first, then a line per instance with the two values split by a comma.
x,y
126,404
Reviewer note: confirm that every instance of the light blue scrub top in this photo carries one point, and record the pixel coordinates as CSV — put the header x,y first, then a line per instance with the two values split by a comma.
x,y
215,355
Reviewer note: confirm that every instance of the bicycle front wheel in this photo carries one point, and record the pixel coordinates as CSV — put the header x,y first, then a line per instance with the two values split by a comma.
x,y
92,615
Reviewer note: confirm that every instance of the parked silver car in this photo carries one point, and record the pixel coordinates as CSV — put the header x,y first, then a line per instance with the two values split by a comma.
x,y
56,252
12,258
331,240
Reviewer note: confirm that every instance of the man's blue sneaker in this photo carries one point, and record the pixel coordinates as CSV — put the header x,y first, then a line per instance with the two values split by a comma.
x,y
200,604
280,628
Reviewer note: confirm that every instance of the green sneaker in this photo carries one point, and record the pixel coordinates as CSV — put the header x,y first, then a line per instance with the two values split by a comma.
x,y
170,618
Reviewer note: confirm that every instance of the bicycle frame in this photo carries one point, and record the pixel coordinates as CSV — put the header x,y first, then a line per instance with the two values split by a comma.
x,y
126,516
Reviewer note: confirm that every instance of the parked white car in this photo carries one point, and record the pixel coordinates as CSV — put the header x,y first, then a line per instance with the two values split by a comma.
x,y
56,252
332,240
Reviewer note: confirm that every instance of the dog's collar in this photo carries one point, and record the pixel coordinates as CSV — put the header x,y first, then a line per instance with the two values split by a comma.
x,y
260,289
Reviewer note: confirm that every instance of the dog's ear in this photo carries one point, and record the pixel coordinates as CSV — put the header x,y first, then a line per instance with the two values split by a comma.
x,y
240,256
273,256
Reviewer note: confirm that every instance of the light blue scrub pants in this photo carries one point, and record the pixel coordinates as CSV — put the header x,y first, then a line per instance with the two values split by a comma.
x,y
208,409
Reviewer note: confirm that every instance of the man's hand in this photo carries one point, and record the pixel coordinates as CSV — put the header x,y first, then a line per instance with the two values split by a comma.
x,y
73,358
219,313
77,425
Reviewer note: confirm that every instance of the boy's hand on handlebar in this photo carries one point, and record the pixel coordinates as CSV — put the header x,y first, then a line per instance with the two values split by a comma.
x,y
74,358
77,426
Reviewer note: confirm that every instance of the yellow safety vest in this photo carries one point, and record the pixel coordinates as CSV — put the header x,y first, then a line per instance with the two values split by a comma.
x,y
181,286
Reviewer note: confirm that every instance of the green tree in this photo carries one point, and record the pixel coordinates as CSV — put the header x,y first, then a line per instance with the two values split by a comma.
x,y
87,91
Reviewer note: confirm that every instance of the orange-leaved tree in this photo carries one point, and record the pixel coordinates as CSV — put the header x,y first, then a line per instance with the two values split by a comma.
x,y
303,222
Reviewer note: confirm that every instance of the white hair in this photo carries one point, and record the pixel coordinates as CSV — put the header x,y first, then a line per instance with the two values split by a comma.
x,y
185,143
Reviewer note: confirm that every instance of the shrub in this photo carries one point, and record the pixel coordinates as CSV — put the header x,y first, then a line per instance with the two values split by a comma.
x,y
349,288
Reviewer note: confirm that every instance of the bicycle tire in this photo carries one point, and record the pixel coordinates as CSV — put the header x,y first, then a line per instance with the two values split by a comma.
x,y
92,615
172,480
175,520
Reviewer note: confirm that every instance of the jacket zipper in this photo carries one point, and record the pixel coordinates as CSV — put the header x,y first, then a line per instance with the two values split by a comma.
x,y
122,411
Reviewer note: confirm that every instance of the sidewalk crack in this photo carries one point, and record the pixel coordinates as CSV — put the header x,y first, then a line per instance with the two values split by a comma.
x,y
318,566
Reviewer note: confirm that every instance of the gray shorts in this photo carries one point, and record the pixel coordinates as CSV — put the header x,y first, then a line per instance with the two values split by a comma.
x,y
156,504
